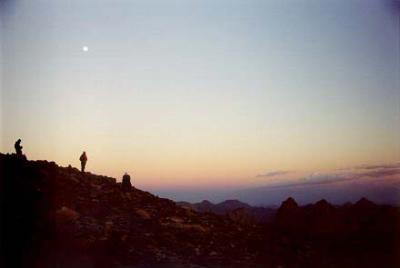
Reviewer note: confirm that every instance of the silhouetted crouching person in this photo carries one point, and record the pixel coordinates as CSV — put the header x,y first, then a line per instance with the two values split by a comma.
x,y
83,160
18,147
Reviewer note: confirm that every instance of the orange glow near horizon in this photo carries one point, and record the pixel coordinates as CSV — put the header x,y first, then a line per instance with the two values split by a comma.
x,y
201,164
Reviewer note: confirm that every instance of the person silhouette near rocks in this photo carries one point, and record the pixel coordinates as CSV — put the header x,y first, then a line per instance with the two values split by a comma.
x,y
18,147
83,160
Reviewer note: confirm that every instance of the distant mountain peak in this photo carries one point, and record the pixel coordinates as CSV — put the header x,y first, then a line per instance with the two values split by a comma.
x,y
287,208
206,202
289,203
364,202
323,203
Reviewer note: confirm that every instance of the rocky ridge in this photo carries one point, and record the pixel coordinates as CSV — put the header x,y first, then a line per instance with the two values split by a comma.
x,y
90,219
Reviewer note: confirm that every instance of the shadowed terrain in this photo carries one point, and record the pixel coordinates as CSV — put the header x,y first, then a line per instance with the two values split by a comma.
x,y
54,216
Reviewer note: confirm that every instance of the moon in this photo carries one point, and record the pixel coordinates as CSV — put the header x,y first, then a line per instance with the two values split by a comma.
x,y
85,48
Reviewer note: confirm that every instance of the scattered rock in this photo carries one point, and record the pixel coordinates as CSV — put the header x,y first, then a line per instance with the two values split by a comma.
x,y
143,214
213,253
66,214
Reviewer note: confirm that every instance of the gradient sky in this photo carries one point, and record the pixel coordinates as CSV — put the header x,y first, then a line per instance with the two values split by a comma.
x,y
200,93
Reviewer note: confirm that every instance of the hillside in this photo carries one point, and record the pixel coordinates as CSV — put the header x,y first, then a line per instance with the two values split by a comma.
x,y
54,216
88,219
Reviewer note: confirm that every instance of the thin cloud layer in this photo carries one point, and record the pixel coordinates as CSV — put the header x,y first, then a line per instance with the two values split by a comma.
x,y
274,173
381,166
344,175
387,166
379,183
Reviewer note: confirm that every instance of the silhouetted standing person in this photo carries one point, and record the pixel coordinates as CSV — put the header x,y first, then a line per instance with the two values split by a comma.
x,y
83,160
18,147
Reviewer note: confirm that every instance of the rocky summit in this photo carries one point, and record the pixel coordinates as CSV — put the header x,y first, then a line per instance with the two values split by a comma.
x,y
54,216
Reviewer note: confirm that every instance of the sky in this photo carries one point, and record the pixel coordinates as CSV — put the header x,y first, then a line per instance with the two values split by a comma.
x,y
202,94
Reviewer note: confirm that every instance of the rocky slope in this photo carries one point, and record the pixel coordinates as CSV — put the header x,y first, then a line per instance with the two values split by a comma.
x,y
54,216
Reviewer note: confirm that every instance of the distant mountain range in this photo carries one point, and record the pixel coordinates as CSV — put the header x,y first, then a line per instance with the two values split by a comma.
x,y
377,188
229,207
309,193
219,208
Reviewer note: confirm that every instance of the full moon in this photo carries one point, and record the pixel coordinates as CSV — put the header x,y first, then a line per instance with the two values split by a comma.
x,y
85,48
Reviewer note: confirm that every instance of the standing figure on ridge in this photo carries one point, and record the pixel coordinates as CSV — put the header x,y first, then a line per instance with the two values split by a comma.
x,y
83,160
18,147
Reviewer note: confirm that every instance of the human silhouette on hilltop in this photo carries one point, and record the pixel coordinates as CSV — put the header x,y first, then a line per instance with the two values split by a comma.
x,y
18,147
83,160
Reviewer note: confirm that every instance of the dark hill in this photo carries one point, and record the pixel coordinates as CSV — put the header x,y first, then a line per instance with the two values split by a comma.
x,y
54,216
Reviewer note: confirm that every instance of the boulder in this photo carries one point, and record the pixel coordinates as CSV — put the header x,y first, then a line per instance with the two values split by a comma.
x,y
126,182
65,214
143,214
